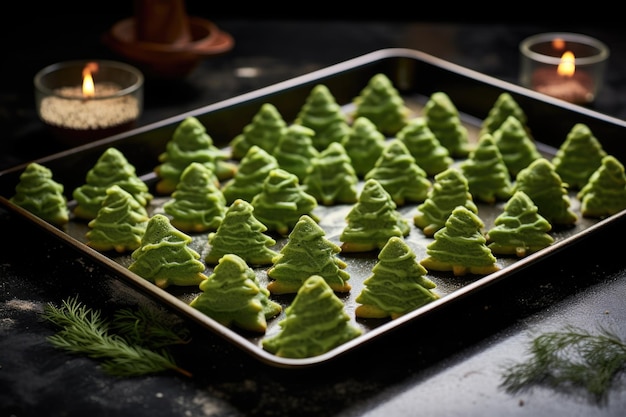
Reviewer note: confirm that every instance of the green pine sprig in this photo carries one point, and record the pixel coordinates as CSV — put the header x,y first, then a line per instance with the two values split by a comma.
x,y
84,331
570,358
148,328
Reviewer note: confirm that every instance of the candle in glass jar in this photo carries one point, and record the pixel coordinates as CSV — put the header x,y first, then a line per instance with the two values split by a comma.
x,y
567,66
84,101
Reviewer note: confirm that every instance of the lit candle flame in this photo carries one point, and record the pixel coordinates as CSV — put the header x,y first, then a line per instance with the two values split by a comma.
x,y
89,89
566,67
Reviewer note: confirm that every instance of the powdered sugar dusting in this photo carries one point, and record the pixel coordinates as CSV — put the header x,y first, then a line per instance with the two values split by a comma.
x,y
24,305
10,307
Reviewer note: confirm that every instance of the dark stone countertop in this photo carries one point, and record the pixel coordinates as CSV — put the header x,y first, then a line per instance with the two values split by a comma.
x,y
449,364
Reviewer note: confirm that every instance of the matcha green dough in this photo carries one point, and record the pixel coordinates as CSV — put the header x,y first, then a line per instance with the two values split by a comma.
x,y
487,175
111,168
233,296
544,186
165,257
307,252
248,180
364,143
460,246
444,121
190,142
321,113
397,285
397,171
242,234
428,152
450,190
315,323
518,149
119,224
504,106
372,220
519,230
295,151
282,201
38,193
331,178
605,192
197,204
578,156
382,103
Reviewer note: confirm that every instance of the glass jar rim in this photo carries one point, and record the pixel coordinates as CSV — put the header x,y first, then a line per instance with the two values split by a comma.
x,y
136,85
601,48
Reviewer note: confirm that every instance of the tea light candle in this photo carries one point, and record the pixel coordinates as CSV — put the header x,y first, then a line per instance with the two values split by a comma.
x,y
81,101
567,66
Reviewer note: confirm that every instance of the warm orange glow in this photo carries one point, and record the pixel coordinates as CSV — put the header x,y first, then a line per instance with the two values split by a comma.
x,y
558,44
567,67
89,88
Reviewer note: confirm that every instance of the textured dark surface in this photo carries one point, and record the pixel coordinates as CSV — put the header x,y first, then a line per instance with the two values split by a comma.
x,y
450,364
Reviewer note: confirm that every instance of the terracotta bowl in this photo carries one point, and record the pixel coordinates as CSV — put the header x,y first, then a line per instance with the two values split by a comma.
x,y
169,60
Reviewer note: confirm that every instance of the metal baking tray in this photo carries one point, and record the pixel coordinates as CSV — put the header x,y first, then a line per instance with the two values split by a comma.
x,y
416,75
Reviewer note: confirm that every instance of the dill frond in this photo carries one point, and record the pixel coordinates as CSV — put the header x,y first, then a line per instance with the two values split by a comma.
x,y
570,358
84,331
149,329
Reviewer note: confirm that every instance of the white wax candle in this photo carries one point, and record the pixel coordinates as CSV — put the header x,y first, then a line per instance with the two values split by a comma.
x,y
68,109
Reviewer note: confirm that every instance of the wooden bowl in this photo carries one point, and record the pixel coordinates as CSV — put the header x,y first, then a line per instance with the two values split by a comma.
x,y
169,60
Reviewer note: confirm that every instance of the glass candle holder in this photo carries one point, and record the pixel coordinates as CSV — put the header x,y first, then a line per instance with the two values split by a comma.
x,y
568,66
82,101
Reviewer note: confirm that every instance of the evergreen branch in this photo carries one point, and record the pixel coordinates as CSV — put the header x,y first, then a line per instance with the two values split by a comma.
x,y
83,331
570,358
146,328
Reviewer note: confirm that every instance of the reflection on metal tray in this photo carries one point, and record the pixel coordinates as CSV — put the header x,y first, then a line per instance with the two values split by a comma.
x,y
417,76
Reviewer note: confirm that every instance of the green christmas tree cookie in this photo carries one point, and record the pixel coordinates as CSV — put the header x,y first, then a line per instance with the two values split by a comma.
x,y
516,146
331,178
444,121
307,252
450,190
578,156
111,168
397,171
233,296
315,323
190,143
264,130
549,193
372,220
197,204
605,191
282,201
397,285
460,246
519,230
295,150
242,234
382,103
38,193
504,106
364,144
248,180
487,175
428,152
165,257
321,113
119,224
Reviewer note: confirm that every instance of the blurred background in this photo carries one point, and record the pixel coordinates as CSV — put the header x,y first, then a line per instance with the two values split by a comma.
x,y
271,44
